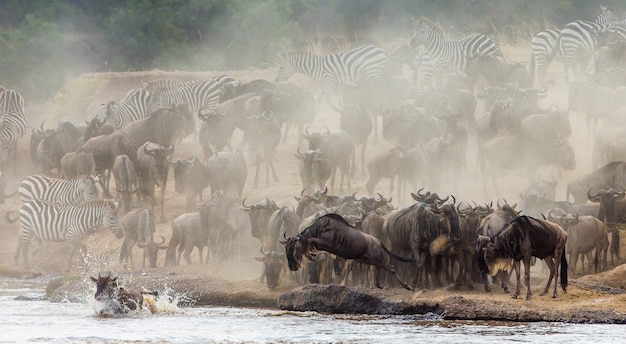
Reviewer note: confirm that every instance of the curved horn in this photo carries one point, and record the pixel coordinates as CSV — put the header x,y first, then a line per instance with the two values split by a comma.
x,y
306,134
243,204
592,197
381,197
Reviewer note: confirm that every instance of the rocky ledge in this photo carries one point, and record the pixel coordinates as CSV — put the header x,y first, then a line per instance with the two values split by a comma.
x,y
586,303
338,299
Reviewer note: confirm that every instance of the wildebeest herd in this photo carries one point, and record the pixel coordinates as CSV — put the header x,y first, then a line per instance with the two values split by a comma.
x,y
470,116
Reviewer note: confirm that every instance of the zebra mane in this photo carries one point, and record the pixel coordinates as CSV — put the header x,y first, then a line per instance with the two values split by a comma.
x,y
432,24
95,203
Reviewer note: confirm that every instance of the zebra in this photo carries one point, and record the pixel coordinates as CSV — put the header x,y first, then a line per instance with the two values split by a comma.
x,y
57,223
544,49
199,95
450,55
333,71
59,191
578,40
12,124
165,84
403,55
134,106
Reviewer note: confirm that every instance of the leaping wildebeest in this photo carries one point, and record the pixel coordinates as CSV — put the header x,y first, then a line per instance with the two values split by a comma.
x,y
332,233
523,238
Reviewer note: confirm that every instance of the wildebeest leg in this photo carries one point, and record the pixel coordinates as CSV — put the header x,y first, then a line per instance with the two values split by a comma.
x,y
517,278
504,279
551,266
485,281
163,185
256,175
527,277
347,268
574,259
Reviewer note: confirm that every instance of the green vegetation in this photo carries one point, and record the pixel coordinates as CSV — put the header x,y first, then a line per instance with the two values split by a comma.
x,y
44,43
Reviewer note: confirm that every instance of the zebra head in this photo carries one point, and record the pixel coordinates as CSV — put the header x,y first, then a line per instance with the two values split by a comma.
x,y
423,31
110,219
287,67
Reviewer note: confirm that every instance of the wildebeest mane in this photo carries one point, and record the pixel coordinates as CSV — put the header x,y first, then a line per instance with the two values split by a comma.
x,y
510,238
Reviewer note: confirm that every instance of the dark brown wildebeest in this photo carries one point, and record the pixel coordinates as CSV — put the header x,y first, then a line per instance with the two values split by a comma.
x,y
331,233
260,214
523,238
139,230
152,169
610,212
119,299
470,218
490,226
584,233
191,177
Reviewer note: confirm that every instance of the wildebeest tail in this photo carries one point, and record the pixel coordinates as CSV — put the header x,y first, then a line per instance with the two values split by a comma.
x,y
615,242
564,268
397,257
7,216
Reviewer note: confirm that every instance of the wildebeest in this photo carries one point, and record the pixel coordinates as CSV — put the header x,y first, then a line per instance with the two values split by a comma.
x,y
523,238
126,182
387,164
429,232
191,177
121,299
491,225
338,147
314,168
152,169
584,233
272,266
186,234
162,127
357,123
333,234
263,135
260,214
55,145
605,177
139,230
105,148
609,213
78,163
227,172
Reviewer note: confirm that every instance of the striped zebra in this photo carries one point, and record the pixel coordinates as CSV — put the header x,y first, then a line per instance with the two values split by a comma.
x,y
544,46
333,71
161,85
450,55
198,95
58,223
134,106
58,191
12,125
402,56
578,41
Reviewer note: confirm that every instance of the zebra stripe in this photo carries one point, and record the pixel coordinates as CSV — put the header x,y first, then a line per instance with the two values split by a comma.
x,y
332,71
577,43
449,55
544,48
605,16
199,94
57,223
165,84
12,123
58,191
134,106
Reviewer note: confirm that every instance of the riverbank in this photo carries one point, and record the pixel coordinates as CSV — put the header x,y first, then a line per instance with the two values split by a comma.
x,y
586,301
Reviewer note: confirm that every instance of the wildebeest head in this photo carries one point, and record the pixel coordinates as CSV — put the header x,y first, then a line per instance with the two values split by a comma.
x,y
181,172
272,265
565,220
607,198
488,261
160,156
151,250
295,249
106,286
260,214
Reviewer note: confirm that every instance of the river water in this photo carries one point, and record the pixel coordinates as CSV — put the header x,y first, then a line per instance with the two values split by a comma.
x,y
26,317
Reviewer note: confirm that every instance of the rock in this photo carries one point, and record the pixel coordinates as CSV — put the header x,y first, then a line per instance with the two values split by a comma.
x,y
339,299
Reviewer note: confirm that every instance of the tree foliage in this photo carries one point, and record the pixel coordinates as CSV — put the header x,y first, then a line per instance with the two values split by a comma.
x,y
43,43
